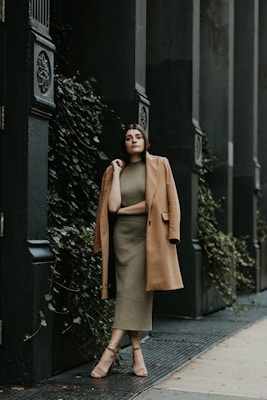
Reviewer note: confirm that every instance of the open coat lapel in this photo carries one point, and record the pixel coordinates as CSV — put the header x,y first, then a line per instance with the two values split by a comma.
x,y
152,172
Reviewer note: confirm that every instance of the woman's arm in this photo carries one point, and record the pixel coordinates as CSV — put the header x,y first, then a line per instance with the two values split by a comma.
x,y
114,197
138,208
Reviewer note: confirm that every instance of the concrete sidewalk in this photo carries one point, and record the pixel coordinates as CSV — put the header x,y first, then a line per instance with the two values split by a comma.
x,y
221,356
233,370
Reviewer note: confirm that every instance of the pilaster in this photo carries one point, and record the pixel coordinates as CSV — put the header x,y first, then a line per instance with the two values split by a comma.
x,y
117,59
262,143
172,83
26,257
216,96
246,166
216,112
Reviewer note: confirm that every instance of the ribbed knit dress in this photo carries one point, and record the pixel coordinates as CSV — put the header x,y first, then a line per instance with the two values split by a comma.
x,y
133,307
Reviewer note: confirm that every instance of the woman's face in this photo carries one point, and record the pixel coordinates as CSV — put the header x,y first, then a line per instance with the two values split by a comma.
x,y
134,142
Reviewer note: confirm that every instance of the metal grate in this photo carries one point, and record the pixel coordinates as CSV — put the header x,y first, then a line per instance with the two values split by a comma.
x,y
40,12
172,344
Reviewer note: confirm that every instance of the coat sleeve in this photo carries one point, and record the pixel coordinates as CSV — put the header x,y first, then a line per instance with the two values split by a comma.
x,y
97,244
101,205
173,205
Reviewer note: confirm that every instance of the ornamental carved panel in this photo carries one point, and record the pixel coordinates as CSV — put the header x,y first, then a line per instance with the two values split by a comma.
x,y
143,111
198,144
43,67
43,72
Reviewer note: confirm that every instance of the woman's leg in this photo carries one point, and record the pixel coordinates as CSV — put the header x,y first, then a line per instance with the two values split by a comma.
x,y
108,357
139,367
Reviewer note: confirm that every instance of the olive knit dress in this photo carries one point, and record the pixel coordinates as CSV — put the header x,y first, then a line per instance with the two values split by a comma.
x,y
133,308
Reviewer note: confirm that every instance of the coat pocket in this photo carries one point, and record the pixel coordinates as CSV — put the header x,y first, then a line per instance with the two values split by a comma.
x,y
165,216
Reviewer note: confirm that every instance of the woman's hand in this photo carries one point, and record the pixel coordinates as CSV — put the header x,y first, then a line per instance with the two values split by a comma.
x,y
114,197
117,165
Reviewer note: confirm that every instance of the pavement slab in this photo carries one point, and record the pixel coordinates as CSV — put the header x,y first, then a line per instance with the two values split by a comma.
x,y
168,394
174,343
236,368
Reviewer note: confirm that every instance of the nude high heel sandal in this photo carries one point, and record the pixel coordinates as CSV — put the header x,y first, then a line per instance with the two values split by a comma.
x,y
98,372
141,372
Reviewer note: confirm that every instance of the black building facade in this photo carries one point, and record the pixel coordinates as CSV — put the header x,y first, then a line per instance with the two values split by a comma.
x,y
179,68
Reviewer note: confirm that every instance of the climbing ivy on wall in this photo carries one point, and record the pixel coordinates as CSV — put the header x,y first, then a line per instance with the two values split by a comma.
x,y
74,150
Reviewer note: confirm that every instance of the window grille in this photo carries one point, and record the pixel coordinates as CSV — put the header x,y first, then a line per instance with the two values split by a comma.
x,y
40,13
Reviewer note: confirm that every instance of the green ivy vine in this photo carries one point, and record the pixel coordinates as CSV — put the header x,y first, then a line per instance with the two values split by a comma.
x,y
74,150
226,257
261,226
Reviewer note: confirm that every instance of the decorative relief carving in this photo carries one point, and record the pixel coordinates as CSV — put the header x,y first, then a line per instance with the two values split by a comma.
x,y
142,108
198,144
43,72
257,175
43,69
198,149
143,118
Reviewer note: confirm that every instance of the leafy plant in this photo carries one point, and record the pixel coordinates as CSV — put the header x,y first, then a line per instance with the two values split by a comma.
x,y
74,149
261,226
227,257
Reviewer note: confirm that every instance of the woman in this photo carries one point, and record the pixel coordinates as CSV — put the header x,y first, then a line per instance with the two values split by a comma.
x,y
141,193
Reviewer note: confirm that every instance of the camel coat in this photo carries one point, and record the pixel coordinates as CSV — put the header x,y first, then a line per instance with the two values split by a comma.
x,y
162,232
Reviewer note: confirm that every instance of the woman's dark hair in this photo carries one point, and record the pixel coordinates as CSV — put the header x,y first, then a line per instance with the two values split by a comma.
x,y
142,131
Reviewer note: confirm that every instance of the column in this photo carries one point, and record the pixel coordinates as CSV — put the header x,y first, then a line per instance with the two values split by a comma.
x,y
114,52
262,143
216,96
26,257
216,110
172,48
246,166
